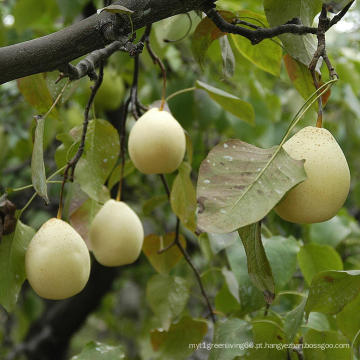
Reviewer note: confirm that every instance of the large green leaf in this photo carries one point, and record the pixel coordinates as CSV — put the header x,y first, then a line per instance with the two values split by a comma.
x,y
36,93
37,162
314,258
98,351
293,320
326,345
227,300
231,331
165,261
180,340
281,253
240,183
348,319
251,298
167,297
231,103
330,291
99,158
258,265
183,197
330,232
279,12
267,55
12,264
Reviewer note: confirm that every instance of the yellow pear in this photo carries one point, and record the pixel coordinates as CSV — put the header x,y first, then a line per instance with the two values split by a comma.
x,y
116,234
157,143
57,261
325,190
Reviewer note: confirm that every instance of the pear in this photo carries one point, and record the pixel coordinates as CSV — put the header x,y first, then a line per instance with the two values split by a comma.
x,y
325,190
157,143
116,234
57,261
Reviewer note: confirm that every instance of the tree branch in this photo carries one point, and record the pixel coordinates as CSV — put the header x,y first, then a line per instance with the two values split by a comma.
x,y
56,50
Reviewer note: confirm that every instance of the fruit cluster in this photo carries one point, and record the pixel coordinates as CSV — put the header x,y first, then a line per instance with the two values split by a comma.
x,y
57,260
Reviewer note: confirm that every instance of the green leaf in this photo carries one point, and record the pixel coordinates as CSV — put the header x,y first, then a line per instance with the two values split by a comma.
x,y
38,173
37,15
314,258
330,232
348,319
227,300
231,103
205,33
220,242
228,57
231,331
36,93
268,330
167,297
98,351
281,253
99,158
266,55
251,298
324,350
293,320
330,291
116,9
318,321
165,261
180,340
240,183
183,197
12,264
258,265
279,12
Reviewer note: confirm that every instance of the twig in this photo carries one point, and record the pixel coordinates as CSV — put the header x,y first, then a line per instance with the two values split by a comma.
x,y
136,108
71,165
156,60
259,34
323,26
341,14
122,146
87,66
187,256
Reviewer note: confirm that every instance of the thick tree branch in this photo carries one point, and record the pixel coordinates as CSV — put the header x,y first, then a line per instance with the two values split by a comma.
x,y
56,50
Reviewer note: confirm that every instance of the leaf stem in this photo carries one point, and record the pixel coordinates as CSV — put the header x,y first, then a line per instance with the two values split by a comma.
x,y
183,91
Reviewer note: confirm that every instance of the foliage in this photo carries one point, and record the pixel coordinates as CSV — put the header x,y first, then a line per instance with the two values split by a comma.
x,y
268,281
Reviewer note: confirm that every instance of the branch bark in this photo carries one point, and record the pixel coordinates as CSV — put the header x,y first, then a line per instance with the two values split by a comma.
x,y
56,50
